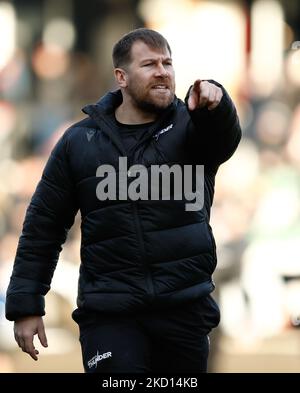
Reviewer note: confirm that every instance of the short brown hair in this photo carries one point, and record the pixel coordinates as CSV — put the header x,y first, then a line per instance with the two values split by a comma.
x,y
122,49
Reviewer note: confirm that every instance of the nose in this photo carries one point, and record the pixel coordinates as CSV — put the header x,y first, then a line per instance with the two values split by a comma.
x,y
161,70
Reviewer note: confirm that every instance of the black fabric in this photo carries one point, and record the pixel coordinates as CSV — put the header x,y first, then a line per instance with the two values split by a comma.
x,y
170,341
134,254
131,133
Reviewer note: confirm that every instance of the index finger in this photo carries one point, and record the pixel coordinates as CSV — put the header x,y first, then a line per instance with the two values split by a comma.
x,y
196,85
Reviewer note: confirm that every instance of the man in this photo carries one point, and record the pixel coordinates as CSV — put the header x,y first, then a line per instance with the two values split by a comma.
x,y
144,299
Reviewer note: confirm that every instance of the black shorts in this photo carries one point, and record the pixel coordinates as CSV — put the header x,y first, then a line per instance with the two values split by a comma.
x,y
173,340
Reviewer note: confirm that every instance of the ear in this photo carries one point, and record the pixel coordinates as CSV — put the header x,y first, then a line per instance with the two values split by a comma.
x,y
121,77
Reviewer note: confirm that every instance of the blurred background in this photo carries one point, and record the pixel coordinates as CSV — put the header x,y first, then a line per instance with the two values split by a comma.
x,y
55,57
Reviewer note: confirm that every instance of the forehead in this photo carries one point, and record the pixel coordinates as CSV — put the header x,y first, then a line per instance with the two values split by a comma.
x,y
140,51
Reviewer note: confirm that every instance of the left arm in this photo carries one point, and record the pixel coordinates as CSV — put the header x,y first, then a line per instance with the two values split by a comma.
x,y
214,131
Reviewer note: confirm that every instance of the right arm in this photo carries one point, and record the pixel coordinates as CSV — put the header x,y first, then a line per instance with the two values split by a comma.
x,y
49,216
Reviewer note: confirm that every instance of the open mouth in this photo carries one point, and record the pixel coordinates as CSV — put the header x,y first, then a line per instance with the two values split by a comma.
x,y
160,87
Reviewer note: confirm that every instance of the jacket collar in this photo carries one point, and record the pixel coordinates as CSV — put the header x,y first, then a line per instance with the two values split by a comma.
x,y
103,110
106,105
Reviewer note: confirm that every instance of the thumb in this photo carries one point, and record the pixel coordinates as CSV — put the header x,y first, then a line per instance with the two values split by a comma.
x,y
193,99
42,335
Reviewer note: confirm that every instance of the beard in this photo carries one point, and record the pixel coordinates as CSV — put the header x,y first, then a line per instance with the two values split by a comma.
x,y
145,101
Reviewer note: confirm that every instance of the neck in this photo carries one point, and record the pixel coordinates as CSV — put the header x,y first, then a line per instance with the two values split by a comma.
x,y
128,113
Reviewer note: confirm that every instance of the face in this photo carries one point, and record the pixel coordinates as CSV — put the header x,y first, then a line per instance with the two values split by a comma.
x,y
149,80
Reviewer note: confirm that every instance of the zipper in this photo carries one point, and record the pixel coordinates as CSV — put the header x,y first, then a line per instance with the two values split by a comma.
x,y
149,282
152,134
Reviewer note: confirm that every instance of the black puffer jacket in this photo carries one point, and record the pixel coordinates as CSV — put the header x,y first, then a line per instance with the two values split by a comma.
x,y
133,254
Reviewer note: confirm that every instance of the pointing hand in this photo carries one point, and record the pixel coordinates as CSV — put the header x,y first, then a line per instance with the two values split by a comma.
x,y
204,94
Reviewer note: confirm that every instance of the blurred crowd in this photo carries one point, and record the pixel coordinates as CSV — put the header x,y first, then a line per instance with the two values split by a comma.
x,y
45,81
